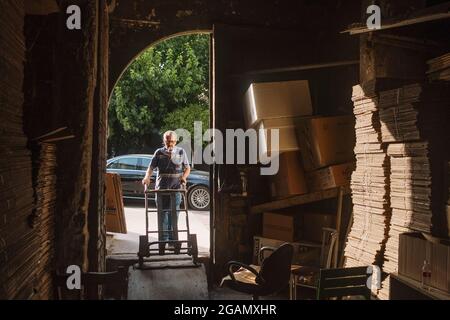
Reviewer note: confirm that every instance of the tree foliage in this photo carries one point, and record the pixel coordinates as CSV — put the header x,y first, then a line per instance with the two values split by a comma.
x,y
166,87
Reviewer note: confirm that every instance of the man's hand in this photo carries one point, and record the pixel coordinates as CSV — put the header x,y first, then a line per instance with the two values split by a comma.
x,y
146,181
148,174
186,173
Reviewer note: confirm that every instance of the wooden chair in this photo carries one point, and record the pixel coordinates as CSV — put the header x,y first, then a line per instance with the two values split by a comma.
x,y
308,276
271,277
114,284
338,283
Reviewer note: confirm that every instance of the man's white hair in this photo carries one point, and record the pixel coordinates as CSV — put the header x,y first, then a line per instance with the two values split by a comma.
x,y
170,133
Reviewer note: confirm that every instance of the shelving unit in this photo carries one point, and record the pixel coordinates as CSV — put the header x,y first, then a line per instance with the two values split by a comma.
x,y
298,200
338,193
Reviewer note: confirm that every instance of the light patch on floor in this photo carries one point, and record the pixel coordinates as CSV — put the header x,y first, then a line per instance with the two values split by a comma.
x,y
120,244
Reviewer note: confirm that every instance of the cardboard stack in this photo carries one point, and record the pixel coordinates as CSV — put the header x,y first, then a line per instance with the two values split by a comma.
x,y
20,245
413,112
276,105
448,200
326,146
410,190
369,184
412,124
410,182
439,68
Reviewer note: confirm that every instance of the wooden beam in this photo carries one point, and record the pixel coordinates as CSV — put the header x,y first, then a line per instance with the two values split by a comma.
x,y
303,67
41,7
298,200
400,23
136,22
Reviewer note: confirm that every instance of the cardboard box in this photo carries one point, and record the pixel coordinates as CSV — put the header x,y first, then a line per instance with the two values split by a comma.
x,y
287,136
305,253
276,99
115,214
278,226
330,177
414,249
290,179
325,141
313,224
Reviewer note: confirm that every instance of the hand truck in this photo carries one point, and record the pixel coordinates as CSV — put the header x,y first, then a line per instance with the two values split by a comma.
x,y
146,248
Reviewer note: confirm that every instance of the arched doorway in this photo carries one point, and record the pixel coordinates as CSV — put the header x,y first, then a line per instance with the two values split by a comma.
x,y
165,87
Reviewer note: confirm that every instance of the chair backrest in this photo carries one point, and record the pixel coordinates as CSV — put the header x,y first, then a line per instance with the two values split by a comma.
x,y
329,237
276,268
344,282
114,284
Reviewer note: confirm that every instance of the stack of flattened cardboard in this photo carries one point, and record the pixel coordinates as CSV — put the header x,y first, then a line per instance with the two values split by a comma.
x,y
439,68
448,200
369,184
45,215
413,126
410,182
410,191
412,112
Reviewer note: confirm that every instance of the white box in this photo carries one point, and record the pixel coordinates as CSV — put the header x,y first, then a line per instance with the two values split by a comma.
x,y
276,99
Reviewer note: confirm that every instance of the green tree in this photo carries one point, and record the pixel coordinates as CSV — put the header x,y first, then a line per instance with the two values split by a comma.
x,y
158,91
185,117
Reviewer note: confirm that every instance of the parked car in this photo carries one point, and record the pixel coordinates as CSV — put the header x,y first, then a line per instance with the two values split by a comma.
x,y
132,168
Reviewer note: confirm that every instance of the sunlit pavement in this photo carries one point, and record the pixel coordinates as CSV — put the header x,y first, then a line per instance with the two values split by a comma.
x,y
135,219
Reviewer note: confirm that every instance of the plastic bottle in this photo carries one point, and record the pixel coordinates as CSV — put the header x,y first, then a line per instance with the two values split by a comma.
x,y
426,275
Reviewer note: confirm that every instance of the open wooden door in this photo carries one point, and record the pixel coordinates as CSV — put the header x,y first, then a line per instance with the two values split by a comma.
x,y
240,56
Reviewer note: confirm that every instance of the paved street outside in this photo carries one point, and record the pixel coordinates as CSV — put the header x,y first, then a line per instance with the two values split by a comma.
x,y
122,244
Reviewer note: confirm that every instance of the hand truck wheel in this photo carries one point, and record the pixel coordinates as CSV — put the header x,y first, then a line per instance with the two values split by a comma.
x,y
143,247
193,247
141,262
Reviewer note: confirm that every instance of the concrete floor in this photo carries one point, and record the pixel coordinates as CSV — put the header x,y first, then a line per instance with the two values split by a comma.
x,y
143,284
123,244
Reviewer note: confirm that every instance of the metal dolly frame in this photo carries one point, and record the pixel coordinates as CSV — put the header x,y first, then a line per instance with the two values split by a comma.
x,y
145,246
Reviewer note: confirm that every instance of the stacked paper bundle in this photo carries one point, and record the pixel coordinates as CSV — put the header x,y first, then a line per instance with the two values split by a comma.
x,y
439,68
45,217
369,184
410,183
448,200
413,124
413,112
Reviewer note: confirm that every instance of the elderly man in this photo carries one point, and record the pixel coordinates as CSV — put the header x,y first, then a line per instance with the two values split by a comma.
x,y
173,169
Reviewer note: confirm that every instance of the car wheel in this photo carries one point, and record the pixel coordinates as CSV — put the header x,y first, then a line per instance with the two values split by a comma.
x,y
199,198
